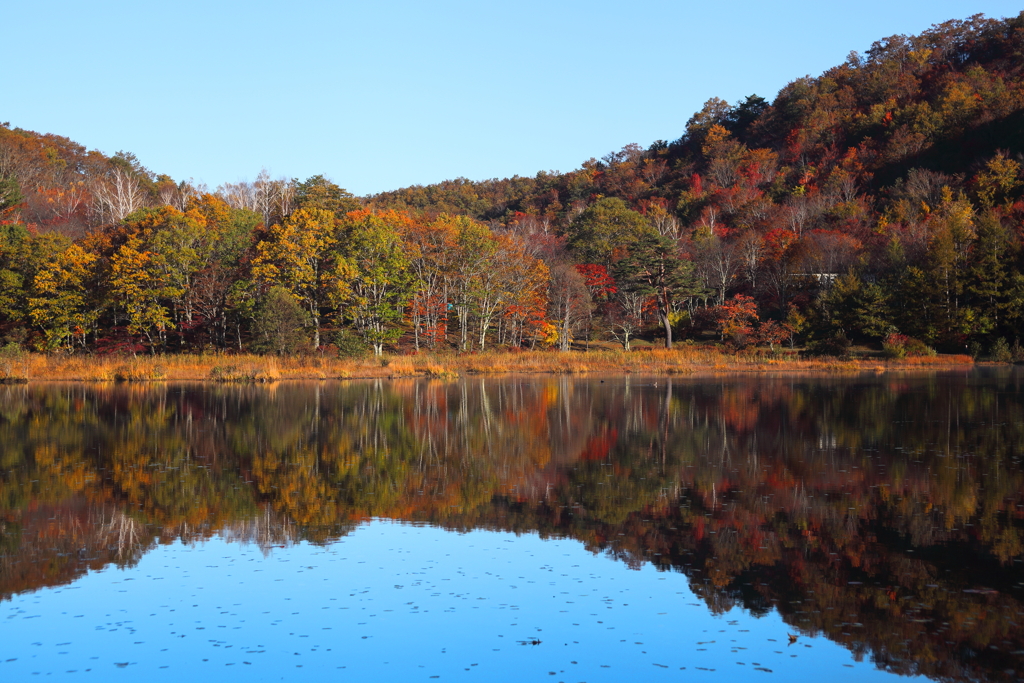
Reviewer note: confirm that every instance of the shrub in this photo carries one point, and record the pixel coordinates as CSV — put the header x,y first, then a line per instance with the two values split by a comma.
x,y
350,344
895,345
901,346
837,346
916,347
1001,352
280,324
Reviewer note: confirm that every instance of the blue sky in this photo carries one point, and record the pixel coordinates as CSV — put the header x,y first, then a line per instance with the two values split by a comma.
x,y
382,95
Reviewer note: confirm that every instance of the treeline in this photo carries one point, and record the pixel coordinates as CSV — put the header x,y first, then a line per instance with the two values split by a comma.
x,y
212,276
881,202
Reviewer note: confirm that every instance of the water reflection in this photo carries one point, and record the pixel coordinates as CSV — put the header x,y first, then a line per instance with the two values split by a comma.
x,y
884,513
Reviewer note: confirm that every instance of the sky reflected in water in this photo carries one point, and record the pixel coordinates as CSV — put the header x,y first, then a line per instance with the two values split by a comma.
x,y
430,603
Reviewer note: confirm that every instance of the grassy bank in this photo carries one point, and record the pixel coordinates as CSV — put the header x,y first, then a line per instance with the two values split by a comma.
x,y
688,360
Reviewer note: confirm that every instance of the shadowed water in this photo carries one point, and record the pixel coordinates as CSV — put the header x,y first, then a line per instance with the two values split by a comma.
x,y
580,530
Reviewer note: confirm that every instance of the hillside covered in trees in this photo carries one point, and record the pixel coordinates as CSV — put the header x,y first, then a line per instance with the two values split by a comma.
x,y
881,203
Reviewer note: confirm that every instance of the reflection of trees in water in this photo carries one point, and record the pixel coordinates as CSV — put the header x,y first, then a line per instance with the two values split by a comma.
x,y
861,509
268,530
123,535
52,545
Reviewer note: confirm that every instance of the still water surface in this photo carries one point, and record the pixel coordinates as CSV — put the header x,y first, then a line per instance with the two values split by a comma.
x,y
515,529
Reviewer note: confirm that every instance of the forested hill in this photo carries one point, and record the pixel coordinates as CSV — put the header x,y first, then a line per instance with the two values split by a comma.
x,y
872,137
880,203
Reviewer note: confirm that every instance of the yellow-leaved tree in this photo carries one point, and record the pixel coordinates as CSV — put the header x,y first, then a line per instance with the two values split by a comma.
x,y
61,304
137,285
301,254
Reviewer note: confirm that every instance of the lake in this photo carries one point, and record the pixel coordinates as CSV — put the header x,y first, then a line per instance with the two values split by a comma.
x,y
524,528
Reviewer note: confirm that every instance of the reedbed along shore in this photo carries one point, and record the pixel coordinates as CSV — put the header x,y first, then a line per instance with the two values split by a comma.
x,y
32,367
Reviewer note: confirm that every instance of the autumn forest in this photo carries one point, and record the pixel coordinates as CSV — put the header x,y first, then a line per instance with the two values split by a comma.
x,y
879,204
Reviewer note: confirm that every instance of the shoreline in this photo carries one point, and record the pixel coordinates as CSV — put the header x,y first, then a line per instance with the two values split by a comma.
x,y
245,368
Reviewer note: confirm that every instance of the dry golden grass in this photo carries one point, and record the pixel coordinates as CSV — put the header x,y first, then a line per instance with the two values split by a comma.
x,y
264,371
14,368
686,360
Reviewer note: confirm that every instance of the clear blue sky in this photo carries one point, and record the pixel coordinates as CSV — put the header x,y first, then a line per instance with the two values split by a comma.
x,y
379,95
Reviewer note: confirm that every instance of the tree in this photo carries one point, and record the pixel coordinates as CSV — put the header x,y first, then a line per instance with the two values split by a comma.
x,y
22,255
232,237
987,273
302,255
474,248
751,250
852,307
524,313
318,192
781,252
828,253
512,279
136,284
191,248
771,333
383,282
185,245
654,269
14,248
716,262
605,228
736,318
999,182
740,117
431,248
940,286
117,194
271,199
715,111
10,197
61,305
627,314
568,302
600,284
